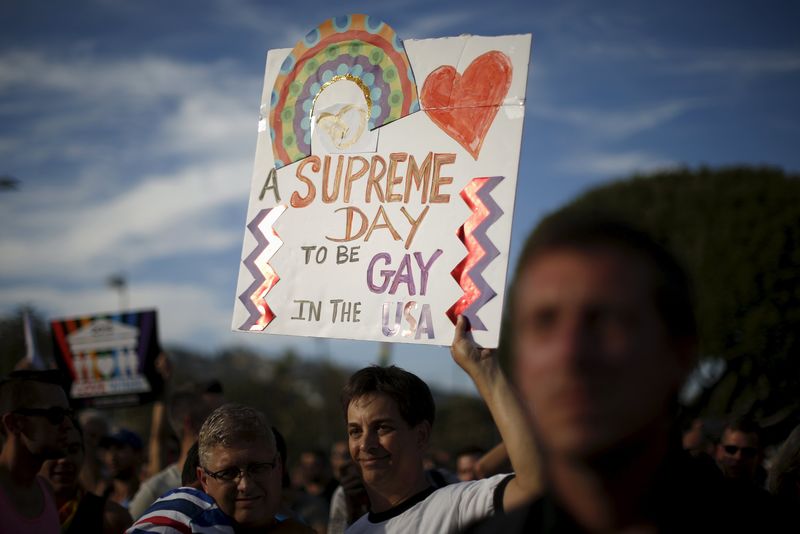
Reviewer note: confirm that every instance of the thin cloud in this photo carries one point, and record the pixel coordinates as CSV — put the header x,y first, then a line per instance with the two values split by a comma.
x,y
680,61
613,164
615,123
197,121
163,216
129,80
746,62
432,25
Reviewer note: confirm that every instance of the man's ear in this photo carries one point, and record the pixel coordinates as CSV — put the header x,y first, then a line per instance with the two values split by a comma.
x,y
11,423
423,430
203,478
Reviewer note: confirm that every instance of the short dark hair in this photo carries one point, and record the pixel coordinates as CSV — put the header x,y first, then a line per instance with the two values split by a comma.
x,y
283,451
672,289
189,471
412,396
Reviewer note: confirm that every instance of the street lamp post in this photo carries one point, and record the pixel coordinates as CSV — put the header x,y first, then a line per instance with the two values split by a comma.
x,y
119,283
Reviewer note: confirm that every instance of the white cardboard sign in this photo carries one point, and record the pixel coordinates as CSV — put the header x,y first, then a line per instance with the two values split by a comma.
x,y
383,187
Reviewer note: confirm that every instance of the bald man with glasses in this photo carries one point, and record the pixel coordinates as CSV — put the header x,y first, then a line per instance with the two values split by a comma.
x,y
35,418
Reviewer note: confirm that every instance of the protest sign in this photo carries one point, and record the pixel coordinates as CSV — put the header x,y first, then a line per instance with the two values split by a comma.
x,y
109,358
383,187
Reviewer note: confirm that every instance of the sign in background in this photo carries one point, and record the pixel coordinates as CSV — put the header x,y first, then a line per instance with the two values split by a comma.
x,y
383,187
110,358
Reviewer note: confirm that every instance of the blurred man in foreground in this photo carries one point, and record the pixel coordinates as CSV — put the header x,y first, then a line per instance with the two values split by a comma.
x,y
34,420
603,335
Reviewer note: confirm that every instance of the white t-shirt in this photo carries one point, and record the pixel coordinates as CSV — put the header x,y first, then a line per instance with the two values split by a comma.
x,y
446,510
153,488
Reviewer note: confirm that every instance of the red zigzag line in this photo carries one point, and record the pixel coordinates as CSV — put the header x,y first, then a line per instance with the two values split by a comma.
x,y
264,277
480,250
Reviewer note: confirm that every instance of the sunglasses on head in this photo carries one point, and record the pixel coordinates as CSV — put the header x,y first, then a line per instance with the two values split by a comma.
x,y
54,415
747,452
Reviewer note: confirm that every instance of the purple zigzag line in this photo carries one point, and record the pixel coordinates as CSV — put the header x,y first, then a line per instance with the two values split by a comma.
x,y
485,291
250,262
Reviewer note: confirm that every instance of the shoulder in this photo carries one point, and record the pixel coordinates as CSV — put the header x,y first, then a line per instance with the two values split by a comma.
x,y
446,509
541,515
181,508
166,476
488,488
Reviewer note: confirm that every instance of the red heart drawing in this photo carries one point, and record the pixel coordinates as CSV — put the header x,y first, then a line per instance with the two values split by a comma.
x,y
464,106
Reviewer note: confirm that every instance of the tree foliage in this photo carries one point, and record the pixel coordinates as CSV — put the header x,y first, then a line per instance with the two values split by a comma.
x,y
737,230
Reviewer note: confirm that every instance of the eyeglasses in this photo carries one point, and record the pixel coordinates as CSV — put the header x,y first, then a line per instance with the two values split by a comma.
x,y
54,415
235,473
747,452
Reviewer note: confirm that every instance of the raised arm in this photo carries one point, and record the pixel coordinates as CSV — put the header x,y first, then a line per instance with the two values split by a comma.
x,y
160,429
493,462
484,370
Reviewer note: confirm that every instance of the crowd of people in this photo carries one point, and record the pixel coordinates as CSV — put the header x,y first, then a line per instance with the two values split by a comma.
x,y
602,335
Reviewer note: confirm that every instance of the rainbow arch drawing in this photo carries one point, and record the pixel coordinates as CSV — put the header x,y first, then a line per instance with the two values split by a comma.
x,y
355,47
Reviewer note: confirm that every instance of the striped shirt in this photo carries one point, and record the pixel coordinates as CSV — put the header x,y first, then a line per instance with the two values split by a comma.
x,y
183,511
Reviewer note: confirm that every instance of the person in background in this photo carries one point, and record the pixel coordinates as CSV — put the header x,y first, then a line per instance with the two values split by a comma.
x,y
437,460
466,462
339,458
79,510
123,458
313,487
314,476
738,452
350,500
187,408
698,440
94,474
35,419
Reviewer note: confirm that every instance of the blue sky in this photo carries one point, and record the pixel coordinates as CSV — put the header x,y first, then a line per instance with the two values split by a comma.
x,y
131,127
